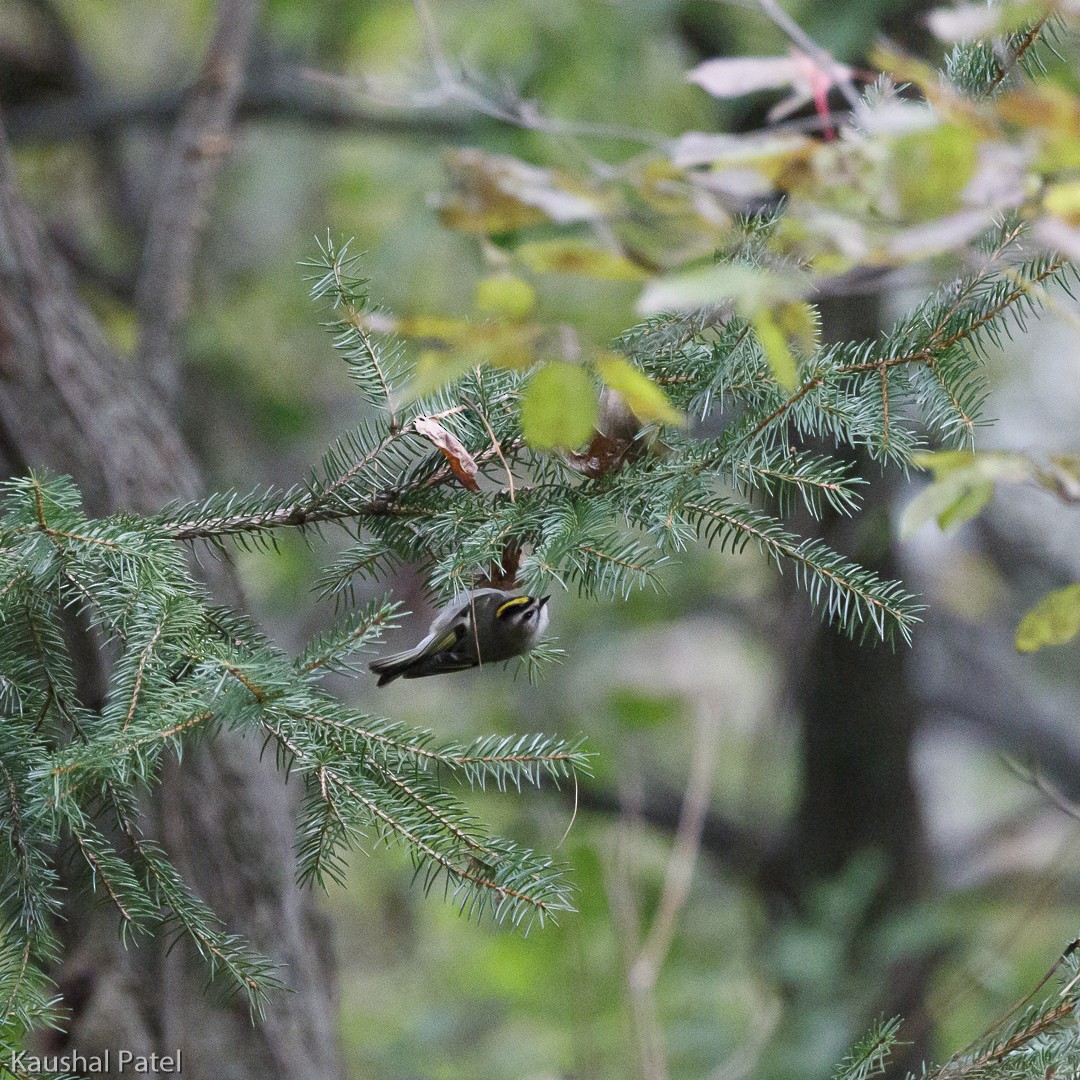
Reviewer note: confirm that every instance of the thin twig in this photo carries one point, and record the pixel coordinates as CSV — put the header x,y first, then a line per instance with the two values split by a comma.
x,y
314,509
498,448
315,99
684,854
824,59
573,816
452,87
623,900
432,45
1044,787
1025,43
954,1066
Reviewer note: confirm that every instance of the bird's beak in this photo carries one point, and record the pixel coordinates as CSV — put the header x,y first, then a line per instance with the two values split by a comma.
x,y
542,601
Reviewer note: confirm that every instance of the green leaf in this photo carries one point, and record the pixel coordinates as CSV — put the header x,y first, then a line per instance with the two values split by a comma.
x,y
966,504
943,462
559,407
506,295
749,288
963,484
647,400
932,168
1054,620
950,502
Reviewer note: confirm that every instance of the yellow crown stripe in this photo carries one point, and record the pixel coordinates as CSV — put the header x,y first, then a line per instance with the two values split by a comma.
x,y
517,601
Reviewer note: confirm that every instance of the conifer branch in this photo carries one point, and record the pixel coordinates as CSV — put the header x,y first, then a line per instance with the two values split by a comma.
x,y
459,872
183,669
938,342
869,1057
857,597
14,984
331,651
96,863
1027,41
358,337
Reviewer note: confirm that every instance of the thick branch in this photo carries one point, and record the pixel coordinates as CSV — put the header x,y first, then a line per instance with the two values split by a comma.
x,y
191,165
277,92
65,403
311,510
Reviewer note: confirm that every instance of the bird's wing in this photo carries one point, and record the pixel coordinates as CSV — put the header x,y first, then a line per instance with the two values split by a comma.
x,y
454,609
429,646
446,640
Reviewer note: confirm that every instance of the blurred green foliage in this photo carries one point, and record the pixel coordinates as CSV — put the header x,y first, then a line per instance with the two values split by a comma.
x,y
423,993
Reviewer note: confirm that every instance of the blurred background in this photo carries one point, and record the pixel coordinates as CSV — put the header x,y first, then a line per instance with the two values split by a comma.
x,y
883,832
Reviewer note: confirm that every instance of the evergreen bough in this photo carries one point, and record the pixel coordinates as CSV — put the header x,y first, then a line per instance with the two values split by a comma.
x,y
184,668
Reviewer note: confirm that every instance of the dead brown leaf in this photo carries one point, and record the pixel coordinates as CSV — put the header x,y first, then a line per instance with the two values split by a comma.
x,y
462,463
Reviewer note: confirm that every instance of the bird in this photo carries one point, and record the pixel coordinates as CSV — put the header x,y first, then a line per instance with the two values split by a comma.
x,y
481,627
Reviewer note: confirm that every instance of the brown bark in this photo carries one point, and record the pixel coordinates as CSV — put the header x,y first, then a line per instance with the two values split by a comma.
x,y
69,404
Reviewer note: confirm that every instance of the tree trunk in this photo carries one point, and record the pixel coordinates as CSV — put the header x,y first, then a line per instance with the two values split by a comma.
x,y
859,715
70,405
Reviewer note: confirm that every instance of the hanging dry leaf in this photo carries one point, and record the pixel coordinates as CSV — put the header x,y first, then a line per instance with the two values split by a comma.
x,y
462,463
615,440
496,193
730,77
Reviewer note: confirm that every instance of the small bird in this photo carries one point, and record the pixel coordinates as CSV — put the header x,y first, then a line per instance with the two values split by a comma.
x,y
483,627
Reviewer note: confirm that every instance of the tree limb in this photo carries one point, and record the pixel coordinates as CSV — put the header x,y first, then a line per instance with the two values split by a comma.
x,y
276,92
192,162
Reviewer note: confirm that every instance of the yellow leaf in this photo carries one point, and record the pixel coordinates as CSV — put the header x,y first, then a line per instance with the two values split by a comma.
x,y
434,331
435,368
1058,152
1054,620
570,256
647,400
1002,466
558,408
451,347
1063,201
943,462
1044,106
495,193
775,346
800,322
506,344
662,186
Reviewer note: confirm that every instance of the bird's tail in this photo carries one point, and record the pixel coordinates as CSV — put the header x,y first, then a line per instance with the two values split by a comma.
x,y
392,667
